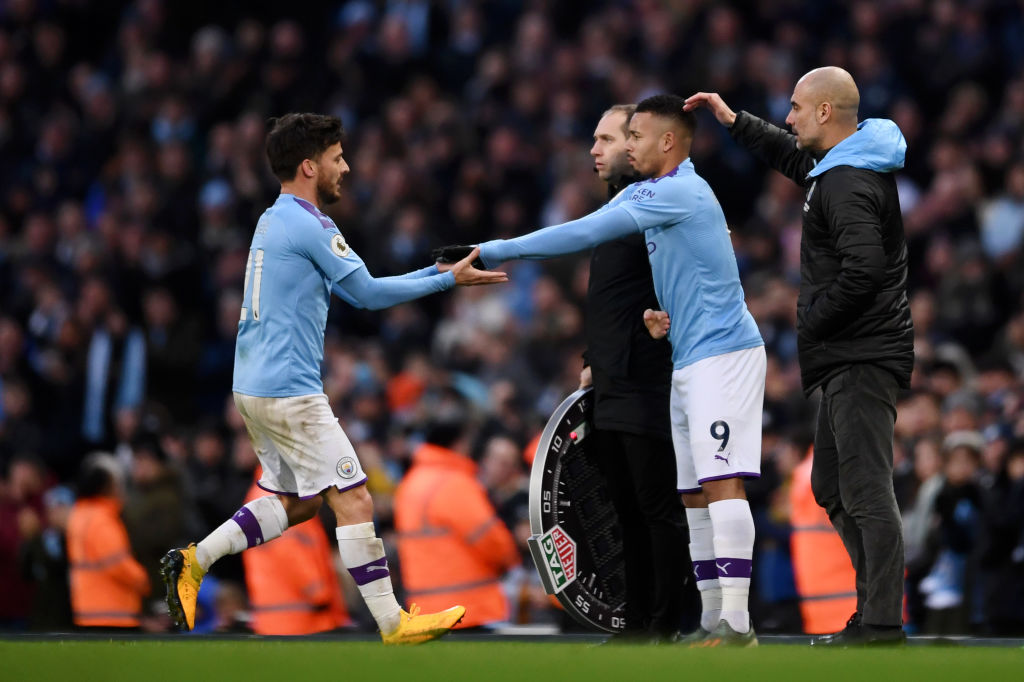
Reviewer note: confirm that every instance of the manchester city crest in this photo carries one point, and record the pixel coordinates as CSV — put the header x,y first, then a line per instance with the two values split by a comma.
x,y
347,467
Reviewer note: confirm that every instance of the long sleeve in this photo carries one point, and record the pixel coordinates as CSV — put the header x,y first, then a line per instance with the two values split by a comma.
x,y
609,222
362,290
773,146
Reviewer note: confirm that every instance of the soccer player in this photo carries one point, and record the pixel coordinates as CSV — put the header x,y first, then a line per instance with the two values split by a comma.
x,y
718,355
298,257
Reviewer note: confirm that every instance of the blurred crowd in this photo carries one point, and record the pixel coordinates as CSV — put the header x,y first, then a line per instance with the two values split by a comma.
x,y
132,173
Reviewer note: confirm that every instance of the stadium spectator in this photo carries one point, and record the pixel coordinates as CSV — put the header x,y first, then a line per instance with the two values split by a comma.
x,y
107,583
44,563
452,545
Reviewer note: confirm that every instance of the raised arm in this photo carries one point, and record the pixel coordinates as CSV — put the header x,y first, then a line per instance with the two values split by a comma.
x,y
770,144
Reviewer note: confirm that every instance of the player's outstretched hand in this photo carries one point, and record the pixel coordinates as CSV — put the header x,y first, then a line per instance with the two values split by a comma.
x,y
466,275
657,323
714,102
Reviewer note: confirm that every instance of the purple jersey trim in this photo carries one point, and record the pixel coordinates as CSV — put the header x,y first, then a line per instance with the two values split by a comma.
x,y
689,491
325,222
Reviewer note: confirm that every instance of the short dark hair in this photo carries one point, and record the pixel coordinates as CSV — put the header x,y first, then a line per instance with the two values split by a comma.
x,y
670,107
296,137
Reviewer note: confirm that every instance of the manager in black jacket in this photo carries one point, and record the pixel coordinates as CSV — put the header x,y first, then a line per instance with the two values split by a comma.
x,y
855,336
631,374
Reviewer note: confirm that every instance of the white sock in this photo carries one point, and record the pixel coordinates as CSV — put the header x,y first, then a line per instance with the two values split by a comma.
x,y
734,548
260,521
362,552
702,554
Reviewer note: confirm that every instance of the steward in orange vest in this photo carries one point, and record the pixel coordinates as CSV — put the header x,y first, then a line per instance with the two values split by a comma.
x,y
107,583
825,579
453,548
293,589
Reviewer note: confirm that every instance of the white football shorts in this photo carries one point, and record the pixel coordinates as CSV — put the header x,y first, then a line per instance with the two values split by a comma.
x,y
301,446
717,405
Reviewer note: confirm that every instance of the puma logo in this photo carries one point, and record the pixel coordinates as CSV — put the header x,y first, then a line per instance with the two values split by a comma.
x,y
724,459
723,569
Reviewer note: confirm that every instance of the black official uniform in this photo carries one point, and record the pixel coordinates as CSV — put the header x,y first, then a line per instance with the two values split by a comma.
x,y
632,375
857,345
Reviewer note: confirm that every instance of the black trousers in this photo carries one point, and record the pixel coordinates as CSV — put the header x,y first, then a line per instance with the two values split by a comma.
x,y
661,596
852,479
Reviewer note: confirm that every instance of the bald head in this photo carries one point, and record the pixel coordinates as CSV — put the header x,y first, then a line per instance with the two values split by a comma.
x,y
824,108
835,86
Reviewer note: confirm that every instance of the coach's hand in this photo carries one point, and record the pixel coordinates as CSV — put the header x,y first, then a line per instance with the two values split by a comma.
x,y
657,322
714,102
466,275
452,254
586,377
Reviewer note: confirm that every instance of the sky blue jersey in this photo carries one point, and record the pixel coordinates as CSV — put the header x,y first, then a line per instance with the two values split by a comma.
x,y
694,267
296,259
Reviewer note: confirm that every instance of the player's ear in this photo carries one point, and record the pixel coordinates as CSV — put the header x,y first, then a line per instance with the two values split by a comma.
x,y
668,140
308,168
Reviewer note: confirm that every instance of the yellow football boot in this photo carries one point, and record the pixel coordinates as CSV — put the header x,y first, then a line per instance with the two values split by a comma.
x,y
183,576
414,628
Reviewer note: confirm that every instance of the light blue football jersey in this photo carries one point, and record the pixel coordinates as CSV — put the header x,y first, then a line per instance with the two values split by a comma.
x,y
693,264
692,261
297,254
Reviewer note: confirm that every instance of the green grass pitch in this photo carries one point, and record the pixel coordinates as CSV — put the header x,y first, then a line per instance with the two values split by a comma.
x,y
192,660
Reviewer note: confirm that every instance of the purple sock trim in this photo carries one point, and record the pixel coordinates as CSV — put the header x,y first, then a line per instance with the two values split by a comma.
x,y
733,568
367,573
705,570
246,520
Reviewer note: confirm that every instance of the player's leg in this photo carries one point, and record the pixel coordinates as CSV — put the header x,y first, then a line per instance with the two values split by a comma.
x,y
733,529
255,523
725,438
362,553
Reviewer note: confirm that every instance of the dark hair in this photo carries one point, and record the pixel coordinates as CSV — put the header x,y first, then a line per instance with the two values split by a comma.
x,y
670,107
96,478
296,137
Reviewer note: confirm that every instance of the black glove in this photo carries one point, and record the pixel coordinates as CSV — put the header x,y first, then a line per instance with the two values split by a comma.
x,y
453,253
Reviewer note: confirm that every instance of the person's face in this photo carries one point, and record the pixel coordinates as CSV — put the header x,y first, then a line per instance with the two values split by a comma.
x,y
609,150
644,144
331,168
802,119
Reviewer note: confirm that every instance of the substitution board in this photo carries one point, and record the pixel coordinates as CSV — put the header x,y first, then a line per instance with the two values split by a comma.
x,y
576,539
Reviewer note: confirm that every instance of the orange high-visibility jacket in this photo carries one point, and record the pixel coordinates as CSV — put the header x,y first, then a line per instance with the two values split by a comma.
x,y
825,578
293,589
452,546
107,583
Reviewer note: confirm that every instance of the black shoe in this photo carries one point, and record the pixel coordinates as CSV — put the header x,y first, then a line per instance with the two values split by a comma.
x,y
860,634
852,629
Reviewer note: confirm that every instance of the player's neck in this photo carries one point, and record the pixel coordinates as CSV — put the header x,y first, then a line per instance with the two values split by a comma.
x,y
302,191
671,162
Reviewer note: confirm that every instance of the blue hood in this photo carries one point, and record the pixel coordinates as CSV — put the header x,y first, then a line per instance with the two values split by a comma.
x,y
877,145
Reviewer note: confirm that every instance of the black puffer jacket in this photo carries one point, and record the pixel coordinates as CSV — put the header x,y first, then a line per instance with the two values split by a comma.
x,y
853,304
